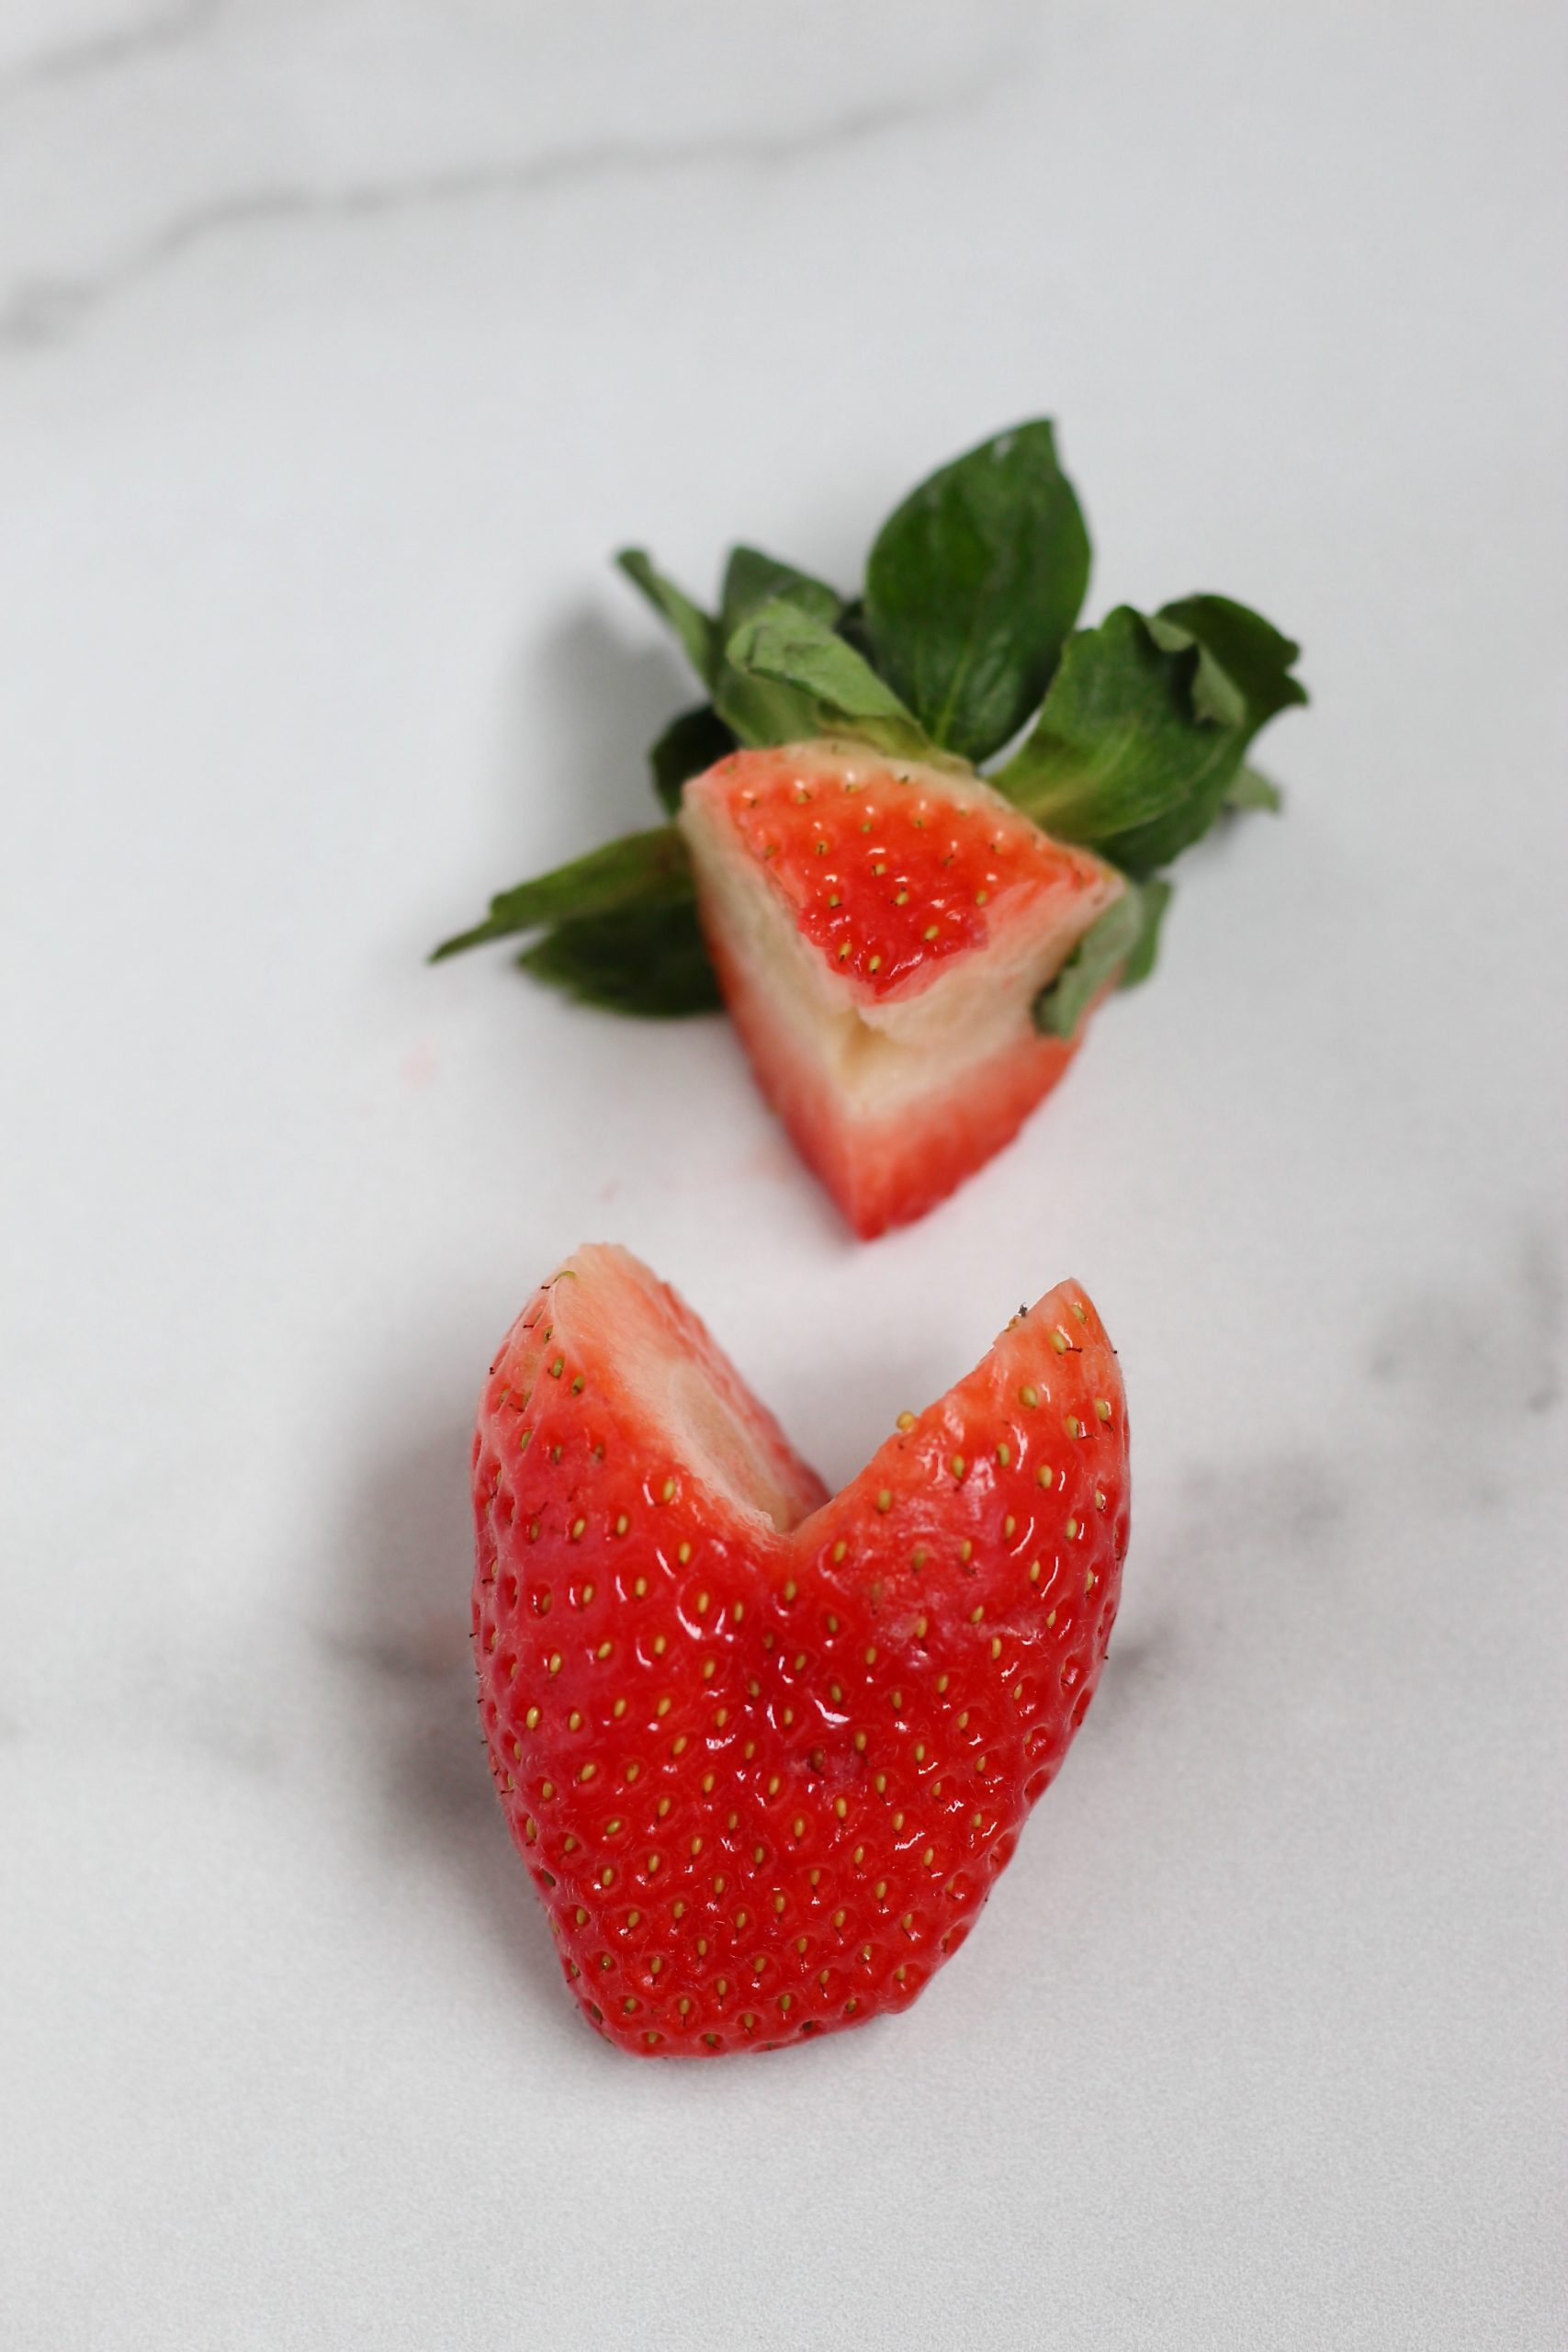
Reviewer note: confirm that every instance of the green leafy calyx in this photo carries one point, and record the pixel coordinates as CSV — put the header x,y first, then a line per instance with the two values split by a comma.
x,y
972,586
619,928
1141,741
1131,737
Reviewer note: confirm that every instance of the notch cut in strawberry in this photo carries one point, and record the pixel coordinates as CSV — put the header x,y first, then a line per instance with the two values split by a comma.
x,y
765,1750
1100,756
880,929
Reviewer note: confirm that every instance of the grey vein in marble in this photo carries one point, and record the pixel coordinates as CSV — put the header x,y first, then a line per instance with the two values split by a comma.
x,y
1512,1340
48,312
104,53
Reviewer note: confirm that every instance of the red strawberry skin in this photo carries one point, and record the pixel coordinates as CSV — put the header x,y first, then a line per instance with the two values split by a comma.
x,y
880,930
763,1751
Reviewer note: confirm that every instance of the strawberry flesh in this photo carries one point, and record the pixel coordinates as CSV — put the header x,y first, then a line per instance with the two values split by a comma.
x,y
765,1750
880,929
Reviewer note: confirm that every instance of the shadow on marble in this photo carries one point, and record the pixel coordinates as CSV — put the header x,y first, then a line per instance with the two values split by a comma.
x,y
1231,1533
399,1652
1510,1334
597,702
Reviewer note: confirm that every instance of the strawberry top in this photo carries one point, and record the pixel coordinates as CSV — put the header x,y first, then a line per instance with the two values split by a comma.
x,y
889,867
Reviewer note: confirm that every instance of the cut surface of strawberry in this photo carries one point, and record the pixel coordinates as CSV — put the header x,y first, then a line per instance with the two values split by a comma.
x,y
881,929
764,1749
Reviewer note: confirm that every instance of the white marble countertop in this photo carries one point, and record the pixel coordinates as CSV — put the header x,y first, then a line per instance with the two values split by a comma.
x,y
339,344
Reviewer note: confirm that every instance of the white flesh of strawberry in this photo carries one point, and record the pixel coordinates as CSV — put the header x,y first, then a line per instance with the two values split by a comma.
x,y
880,1055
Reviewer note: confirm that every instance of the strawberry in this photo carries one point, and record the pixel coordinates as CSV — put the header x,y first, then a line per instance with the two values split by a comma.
x,y
764,1749
881,931
913,976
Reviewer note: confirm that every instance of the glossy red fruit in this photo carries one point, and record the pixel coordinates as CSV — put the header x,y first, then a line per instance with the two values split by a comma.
x,y
880,929
764,1749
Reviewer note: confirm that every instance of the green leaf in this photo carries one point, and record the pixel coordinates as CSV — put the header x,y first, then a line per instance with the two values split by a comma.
x,y
1156,895
691,742
647,961
642,869
973,585
855,630
623,929
1118,747
757,708
1141,737
1253,790
697,631
1104,951
1246,661
785,645
753,580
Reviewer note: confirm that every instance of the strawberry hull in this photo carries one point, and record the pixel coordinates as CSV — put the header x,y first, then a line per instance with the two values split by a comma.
x,y
765,1750
880,931
890,925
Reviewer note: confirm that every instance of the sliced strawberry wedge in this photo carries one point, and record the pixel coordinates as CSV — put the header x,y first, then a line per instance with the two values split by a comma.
x,y
873,806
880,929
765,1750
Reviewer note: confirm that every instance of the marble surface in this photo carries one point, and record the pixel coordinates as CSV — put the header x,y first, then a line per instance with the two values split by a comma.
x,y
339,343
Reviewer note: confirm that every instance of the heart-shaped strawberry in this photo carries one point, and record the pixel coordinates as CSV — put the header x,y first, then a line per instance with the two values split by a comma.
x,y
764,1749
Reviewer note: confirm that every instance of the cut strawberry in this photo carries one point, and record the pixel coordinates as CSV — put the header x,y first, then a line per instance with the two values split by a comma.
x,y
880,929
909,948
764,1751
